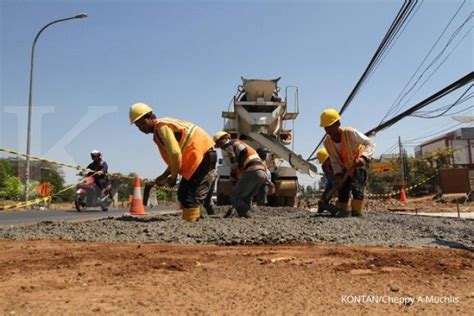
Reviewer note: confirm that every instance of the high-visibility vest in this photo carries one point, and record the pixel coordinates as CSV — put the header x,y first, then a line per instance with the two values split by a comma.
x,y
193,141
350,151
243,160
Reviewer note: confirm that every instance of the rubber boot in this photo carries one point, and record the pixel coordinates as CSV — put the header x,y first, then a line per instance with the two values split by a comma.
x,y
344,209
191,214
357,206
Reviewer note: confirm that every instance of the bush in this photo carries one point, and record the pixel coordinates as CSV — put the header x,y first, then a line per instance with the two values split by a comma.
x,y
12,188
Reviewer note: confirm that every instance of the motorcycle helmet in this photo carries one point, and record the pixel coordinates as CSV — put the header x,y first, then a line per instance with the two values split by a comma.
x,y
96,154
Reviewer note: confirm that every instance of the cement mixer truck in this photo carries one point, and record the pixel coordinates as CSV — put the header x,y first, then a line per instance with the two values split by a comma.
x,y
257,115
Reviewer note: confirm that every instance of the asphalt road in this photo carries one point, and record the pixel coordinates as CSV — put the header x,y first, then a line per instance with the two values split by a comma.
x,y
31,217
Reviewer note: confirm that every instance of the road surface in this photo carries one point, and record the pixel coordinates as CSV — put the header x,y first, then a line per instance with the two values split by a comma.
x,y
31,217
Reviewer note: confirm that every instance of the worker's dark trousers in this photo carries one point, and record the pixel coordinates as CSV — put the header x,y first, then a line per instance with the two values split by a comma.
x,y
193,192
355,185
262,195
245,190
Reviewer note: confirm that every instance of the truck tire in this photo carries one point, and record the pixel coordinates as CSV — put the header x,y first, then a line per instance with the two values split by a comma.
x,y
290,201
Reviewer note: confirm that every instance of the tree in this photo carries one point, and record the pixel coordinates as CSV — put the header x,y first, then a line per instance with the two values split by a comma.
x,y
6,170
123,185
12,188
418,171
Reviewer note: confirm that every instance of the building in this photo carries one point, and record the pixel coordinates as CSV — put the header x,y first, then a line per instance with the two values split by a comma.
x,y
460,140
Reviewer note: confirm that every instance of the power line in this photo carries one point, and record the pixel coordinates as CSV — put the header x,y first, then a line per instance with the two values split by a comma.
x,y
397,101
393,42
436,69
445,109
399,20
437,133
405,10
452,87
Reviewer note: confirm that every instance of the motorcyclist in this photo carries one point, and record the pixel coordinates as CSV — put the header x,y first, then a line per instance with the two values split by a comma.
x,y
98,169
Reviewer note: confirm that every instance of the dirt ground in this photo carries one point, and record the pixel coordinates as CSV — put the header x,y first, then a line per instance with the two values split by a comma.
x,y
63,277
427,204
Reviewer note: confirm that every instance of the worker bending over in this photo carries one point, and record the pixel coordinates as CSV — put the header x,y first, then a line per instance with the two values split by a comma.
x,y
187,150
349,152
247,166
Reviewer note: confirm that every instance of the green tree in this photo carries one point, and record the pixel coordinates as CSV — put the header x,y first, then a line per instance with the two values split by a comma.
x,y
6,170
123,185
12,188
417,170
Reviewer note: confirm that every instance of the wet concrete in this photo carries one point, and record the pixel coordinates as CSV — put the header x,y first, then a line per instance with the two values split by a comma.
x,y
266,226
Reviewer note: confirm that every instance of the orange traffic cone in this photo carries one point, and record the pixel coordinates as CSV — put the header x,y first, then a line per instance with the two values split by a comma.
x,y
136,207
403,196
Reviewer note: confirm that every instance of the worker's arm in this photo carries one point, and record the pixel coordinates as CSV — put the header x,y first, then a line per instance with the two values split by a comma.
x,y
230,154
161,180
366,142
171,147
336,167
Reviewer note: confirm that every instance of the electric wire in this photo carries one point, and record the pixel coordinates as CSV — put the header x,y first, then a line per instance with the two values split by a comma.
x,y
452,87
446,109
436,69
393,108
403,13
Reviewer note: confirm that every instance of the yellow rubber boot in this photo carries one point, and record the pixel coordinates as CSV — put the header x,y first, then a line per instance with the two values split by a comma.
x,y
191,214
344,212
357,206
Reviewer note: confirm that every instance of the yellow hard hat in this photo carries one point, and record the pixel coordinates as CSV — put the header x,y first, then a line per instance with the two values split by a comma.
x,y
137,110
329,117
322,155
219,135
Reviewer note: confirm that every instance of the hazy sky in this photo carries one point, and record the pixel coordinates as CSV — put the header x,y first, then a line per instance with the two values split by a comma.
x,y
185,59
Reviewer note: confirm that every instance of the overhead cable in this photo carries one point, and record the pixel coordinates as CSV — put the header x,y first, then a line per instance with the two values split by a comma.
x,y
397,23
452,87
394,107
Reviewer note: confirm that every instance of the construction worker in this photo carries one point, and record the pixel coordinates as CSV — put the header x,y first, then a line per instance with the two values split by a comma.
x,y
323,158
349,152
187,150
247,166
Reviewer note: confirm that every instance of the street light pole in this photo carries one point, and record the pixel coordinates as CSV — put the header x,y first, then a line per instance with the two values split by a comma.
x,y
30,97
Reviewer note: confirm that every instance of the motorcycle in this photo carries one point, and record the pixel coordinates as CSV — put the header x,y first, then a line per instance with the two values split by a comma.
x,y
88,194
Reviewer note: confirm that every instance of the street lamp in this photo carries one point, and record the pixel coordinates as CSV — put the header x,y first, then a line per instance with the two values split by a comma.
x,y
28,139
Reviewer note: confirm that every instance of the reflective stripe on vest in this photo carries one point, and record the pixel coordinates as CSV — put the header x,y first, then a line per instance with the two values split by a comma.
x,y
185,128
194,143
250,156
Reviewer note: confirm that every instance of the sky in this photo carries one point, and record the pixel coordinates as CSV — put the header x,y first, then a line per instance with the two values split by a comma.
x,y
185,59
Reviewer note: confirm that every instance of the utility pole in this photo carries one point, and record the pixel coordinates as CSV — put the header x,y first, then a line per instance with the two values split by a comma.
x,y
30,98
402,165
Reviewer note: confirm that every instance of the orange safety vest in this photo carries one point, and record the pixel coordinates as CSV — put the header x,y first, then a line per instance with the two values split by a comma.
x,y
350,151
243,161
193,141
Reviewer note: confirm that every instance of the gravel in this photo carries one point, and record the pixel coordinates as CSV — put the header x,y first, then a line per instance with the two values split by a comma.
x,y
266,226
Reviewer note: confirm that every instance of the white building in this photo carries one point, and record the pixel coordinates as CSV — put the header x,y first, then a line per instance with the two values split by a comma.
x,y
460,140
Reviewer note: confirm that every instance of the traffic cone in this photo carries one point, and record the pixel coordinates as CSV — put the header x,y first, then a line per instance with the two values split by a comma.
x,y
136,207
403,196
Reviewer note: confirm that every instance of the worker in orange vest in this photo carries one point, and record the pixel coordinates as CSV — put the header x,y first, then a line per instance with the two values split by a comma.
x,y
349,151
246,166
187,150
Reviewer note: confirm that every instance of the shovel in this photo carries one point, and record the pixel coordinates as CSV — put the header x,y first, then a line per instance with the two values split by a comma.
x,y
325,205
